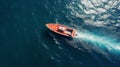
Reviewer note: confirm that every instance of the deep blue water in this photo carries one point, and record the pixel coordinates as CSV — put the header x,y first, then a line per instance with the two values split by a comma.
x,y
26,42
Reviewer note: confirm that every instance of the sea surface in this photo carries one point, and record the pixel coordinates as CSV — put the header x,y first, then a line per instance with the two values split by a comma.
x,y
26,42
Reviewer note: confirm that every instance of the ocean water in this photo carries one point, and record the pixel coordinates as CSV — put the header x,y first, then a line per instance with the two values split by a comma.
x,y
26,42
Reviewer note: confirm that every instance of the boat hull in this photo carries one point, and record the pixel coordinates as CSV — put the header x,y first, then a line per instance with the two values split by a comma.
x,y
55,28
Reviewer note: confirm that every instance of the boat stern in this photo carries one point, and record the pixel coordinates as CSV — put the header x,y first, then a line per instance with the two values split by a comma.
x,y
73,33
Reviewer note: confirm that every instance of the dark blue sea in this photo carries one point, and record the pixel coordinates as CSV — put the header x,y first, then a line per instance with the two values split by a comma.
x,y
25,41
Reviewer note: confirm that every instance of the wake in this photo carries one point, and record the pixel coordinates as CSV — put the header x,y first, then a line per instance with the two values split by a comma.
x,y
106,42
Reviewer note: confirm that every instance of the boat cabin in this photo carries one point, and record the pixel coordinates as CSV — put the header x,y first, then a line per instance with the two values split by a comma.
x,y
65,30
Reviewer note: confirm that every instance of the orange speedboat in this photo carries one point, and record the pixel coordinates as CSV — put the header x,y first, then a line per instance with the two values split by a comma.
x,y
62,29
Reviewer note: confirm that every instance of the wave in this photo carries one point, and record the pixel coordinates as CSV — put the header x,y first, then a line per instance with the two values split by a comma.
x,y
100,15
96,12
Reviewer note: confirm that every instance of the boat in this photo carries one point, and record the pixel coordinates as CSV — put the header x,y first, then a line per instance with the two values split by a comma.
x,y
62,29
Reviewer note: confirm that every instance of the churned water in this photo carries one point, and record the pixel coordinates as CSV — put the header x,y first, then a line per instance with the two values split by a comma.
x,y
26,42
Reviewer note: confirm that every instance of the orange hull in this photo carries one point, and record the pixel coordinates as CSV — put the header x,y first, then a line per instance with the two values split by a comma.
x,y
61,29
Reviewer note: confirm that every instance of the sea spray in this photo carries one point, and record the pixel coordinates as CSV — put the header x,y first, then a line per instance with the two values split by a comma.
x,y
104,45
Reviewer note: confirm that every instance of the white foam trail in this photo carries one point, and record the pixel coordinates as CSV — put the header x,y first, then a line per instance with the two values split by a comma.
x,y
110,44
